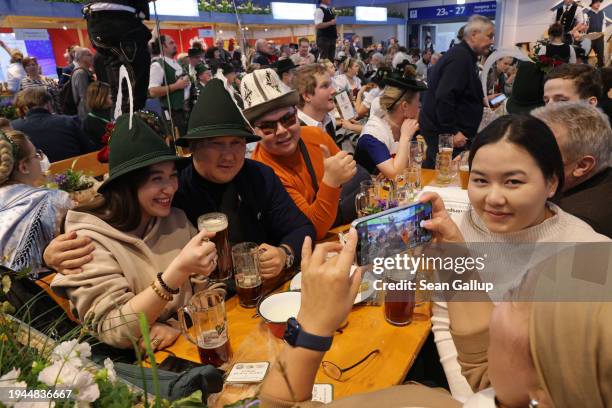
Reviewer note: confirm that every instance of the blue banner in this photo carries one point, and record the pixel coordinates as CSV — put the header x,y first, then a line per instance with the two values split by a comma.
x,y
454,11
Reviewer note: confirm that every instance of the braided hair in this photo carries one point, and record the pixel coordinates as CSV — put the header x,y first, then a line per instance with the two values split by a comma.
x,y
7,159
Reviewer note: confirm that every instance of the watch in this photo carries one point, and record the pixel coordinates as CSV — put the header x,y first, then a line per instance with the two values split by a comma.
x,y
290,257
296,337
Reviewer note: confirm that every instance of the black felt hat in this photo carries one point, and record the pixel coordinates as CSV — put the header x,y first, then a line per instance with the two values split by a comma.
x,y
284,65
399,80
194,52
527,90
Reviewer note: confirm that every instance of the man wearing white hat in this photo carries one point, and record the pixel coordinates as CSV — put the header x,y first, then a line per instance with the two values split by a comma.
x,y
306,159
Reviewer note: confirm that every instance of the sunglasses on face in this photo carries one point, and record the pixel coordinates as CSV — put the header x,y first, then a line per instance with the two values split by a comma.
x,y
271,127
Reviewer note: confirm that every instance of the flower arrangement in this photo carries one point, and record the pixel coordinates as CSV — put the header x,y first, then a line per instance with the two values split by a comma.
x,y
36,368
79,186
544,63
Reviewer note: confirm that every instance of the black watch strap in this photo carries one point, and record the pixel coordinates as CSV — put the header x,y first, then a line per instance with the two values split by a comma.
x,y
296,337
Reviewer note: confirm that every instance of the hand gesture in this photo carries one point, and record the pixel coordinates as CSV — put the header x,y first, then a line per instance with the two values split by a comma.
x,y
272,260
328,292
409,128
441,225
198,257
339,168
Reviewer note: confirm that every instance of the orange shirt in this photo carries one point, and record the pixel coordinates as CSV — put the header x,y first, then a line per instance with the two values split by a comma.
x,y
321,207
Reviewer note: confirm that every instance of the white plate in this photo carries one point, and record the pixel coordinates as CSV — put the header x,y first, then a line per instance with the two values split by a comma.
x,y
296,284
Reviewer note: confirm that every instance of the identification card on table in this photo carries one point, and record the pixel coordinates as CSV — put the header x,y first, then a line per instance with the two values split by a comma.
x,y
323,393
245,373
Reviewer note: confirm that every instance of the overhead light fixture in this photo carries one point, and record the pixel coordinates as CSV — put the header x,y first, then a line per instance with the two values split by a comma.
x,y
220,31
265,29
64,27
460,1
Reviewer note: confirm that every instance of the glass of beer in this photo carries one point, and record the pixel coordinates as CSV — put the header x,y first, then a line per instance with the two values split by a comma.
x,y
246,272
365,200
400,300
217,223
464,174
206,310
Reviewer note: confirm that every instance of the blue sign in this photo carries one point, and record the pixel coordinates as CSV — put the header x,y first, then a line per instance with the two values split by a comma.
x,y
455,11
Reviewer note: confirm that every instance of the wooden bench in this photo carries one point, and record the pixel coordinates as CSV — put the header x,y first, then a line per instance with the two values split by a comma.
x,y
87,163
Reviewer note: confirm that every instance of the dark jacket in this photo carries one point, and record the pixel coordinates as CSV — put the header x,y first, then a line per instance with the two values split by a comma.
x,y
262,59
589,201
59,136
263,210
454,99
94,126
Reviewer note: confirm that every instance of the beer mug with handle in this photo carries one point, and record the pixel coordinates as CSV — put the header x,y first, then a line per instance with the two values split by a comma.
x,y
206,311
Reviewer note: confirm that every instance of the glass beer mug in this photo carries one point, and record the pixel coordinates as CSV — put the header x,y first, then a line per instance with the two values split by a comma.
x,y
206,310
218,223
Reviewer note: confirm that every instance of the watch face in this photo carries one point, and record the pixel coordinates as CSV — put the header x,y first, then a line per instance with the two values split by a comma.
x,y
291,332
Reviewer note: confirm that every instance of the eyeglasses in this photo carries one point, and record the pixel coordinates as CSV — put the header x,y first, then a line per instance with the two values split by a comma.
x,y
335,373
271,127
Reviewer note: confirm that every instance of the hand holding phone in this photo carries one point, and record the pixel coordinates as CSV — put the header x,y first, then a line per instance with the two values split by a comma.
x,y
391,232
497,100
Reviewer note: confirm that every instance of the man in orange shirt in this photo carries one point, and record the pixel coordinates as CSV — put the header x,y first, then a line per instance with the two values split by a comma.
x,y
306,159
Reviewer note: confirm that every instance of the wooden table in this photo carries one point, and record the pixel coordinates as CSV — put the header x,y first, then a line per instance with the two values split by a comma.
x,y
367,330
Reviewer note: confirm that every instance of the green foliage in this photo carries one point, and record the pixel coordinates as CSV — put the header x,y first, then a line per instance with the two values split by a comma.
x,y
71,180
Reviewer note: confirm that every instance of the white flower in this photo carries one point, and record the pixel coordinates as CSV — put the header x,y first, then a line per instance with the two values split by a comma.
x,y
66,375
71,352
9,381
110,370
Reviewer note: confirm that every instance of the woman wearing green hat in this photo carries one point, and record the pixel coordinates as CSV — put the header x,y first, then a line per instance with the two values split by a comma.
x,y
145,252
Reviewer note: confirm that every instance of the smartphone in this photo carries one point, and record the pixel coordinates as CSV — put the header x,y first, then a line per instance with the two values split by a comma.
x,y
177,365
498,99
391,232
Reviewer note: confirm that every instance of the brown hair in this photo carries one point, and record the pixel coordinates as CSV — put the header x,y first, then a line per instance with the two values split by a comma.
x,y
19,104
97,94
11,153
16,56
118,204
304,39
305,81
5,124
587,79
27,60
346,65
36,96
555,30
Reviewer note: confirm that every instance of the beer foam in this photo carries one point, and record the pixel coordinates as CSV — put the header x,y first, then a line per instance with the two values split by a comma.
x,y
212,224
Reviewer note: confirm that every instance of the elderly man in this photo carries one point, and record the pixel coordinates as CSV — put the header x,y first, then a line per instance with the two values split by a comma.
x,y
585,140
81,78
454,100
303,56
308,162
263,53
219,179
224,55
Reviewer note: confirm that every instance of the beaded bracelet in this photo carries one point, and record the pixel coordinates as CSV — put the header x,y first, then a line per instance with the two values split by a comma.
x,y
165,286
159,293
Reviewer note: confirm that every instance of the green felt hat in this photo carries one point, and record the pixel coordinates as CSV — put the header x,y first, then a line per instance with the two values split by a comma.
x,y
215,114
201,68
527,90
135,148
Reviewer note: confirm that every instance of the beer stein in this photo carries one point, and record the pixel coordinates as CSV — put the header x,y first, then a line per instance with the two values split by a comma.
x,y
218,223
365,200
206,311
245,257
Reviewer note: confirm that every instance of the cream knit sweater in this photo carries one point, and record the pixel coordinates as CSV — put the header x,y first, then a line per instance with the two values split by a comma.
x,y
122,266
560,228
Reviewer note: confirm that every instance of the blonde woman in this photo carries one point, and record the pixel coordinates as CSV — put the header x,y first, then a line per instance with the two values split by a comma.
x,y
384,144
29,215
349,80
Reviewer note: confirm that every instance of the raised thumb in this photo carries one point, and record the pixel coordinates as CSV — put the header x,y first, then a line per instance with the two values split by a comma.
x,y
325,149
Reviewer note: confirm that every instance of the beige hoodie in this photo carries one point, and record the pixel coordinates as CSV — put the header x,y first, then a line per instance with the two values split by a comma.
x,y
122,266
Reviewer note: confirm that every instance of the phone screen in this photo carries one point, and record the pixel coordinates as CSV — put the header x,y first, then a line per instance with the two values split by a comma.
x,y
177,365
498,99
391,232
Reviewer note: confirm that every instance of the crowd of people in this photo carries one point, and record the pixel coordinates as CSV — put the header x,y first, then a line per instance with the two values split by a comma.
x,y
266,142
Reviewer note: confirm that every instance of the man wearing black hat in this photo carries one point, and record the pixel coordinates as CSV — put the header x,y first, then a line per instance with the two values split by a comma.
x,y
118,34
325,24
285,69
220,179
170,84
454,101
